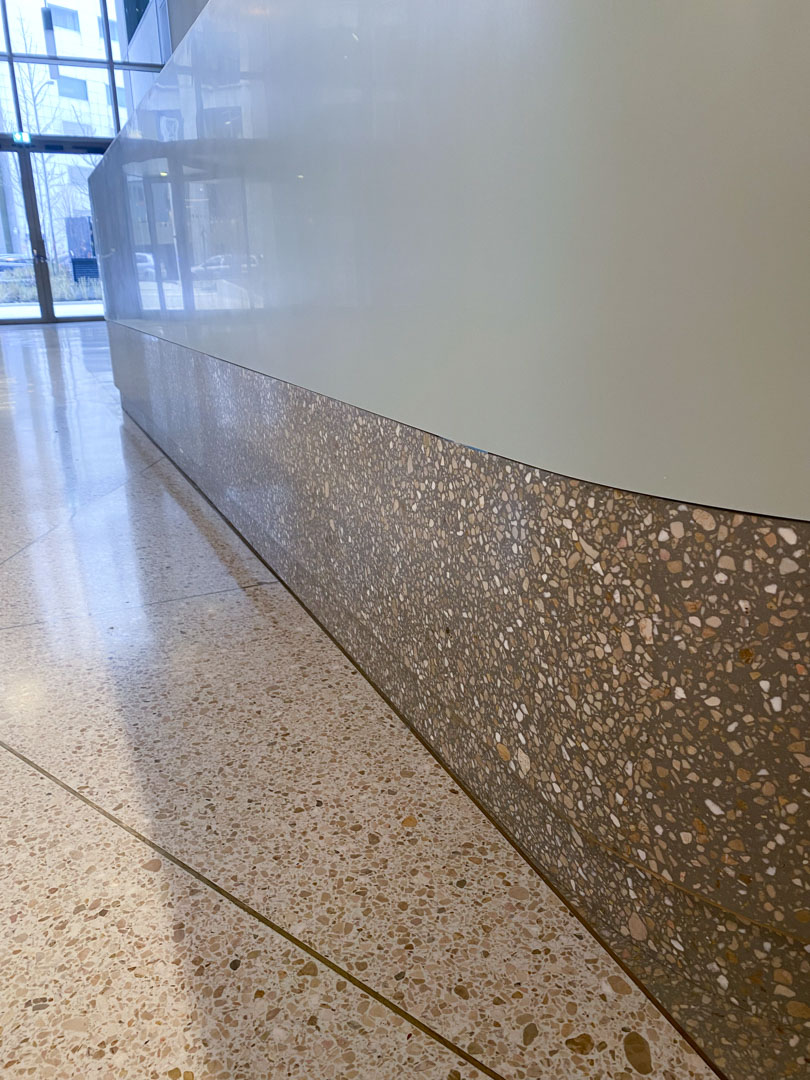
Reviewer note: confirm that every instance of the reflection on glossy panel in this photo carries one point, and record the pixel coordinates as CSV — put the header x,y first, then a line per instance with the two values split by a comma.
x,y
568,233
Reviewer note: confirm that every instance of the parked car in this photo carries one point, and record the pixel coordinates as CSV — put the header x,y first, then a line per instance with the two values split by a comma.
x,y
145,265
223,266
12,261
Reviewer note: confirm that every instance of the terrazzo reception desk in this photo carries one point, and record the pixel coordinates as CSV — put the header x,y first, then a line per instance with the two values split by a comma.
x,y
383,277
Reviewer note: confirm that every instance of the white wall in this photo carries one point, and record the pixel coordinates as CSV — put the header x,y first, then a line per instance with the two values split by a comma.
x,y
573,232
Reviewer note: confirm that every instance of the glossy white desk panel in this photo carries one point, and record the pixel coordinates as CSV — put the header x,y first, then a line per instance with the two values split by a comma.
x,y
571,232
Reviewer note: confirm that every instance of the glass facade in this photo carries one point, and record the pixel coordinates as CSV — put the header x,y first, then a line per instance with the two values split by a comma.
x,y
60,181
18,284
71,71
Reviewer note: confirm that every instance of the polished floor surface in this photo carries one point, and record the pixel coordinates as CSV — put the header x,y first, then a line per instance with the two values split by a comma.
x,y
223,856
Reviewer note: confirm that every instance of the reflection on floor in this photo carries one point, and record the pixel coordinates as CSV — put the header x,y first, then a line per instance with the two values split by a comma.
x,y
63,309
224,856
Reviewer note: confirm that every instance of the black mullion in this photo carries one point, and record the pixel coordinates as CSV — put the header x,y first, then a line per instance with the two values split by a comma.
x,y
105,19
42,272
78,61
14,92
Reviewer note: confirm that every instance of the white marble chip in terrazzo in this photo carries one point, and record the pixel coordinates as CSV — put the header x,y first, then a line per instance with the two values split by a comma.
x,y
232,731
118,965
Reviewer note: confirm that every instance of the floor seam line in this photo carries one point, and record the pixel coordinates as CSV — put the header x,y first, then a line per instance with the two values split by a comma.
x,y
137,607
79,509
31,543
253,913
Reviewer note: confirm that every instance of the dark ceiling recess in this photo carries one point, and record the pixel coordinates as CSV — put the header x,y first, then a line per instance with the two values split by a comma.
x,y
134,9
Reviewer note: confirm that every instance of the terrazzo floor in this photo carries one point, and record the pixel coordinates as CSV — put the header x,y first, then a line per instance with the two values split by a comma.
x,y
224,856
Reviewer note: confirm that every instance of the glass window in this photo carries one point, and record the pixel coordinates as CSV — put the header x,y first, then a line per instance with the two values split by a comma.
x,y
8,117
56,29
67,229
116,34
113,30
18,286
53,103
119,96
132,87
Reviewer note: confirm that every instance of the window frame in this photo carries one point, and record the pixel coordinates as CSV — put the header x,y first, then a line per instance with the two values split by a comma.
x,y
11,57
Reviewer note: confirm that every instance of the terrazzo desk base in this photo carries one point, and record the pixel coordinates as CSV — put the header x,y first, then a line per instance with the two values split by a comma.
x,y
620,680
225,857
